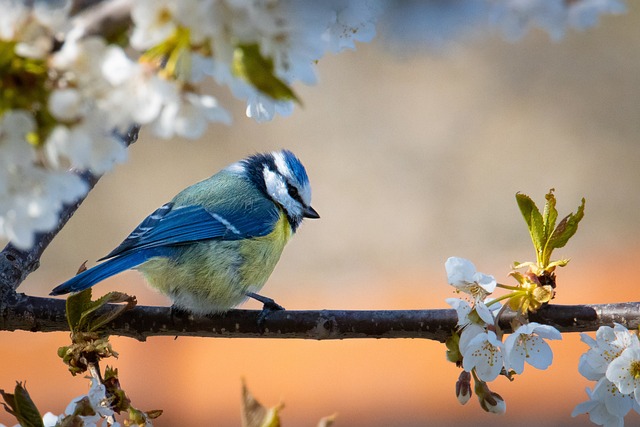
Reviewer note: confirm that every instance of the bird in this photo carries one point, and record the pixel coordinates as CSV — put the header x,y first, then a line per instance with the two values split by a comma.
x,y
216,242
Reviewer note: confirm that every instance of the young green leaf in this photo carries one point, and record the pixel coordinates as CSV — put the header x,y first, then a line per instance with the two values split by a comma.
x,y
566,228
549,215
75,306
94,321
534,220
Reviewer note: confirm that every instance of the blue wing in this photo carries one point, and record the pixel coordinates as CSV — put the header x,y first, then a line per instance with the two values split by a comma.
x,y
170,225
96,274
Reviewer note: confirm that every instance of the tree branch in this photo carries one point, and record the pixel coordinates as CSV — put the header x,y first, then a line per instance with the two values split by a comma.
x,y
37,314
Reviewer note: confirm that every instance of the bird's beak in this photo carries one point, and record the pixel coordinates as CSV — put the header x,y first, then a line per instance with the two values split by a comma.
x,y
309,212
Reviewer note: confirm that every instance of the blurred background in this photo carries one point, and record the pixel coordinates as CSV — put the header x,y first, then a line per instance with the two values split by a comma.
x,y
413,158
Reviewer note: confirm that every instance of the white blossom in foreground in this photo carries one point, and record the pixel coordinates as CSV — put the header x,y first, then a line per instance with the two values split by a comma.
x,y
517,17
90,88
527,344
30,196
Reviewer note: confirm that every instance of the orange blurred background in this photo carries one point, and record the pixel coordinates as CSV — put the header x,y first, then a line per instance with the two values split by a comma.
x,y
412,159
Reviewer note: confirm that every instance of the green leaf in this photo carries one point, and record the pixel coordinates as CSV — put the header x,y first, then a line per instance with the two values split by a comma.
x,y
558,263
75,306
549,215
249,64
453,349
534,221
566,228
82,312
22,407
96,322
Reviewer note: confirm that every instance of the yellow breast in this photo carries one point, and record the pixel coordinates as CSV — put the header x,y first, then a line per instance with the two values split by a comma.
x,y
261,254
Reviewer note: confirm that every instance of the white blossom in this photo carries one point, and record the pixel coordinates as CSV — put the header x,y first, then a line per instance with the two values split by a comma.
x,y
517,17
463,309
527,344
30,196
50,420
608,345
104,414
484,354
606,406
189,116
462,274
14,16
67,104
585,13
153,22
613,395
624,372
79,62
136,94
351,22
84,147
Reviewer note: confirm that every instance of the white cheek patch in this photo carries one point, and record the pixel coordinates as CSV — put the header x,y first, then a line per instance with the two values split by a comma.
x,y
283,168
277,189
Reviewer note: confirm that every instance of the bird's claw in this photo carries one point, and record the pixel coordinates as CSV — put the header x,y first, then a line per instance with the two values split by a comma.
x,y
268,307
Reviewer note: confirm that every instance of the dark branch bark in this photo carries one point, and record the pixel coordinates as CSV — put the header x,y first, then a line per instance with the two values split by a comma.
x,y
48,315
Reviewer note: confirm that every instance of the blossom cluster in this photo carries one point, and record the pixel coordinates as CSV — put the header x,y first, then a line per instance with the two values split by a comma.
x,y
68,90
82,88
477,345
613,362
90,410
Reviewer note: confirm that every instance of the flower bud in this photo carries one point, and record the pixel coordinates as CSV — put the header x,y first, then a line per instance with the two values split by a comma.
x,y
490,401
463,387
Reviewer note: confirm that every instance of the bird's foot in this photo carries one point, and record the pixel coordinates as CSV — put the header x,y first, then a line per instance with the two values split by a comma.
x,y
268,307
267,303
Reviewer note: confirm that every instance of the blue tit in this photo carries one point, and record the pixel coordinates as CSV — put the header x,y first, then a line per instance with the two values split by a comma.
x,y
218,241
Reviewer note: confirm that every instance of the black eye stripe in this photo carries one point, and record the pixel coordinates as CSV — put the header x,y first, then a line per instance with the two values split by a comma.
x,y
293,192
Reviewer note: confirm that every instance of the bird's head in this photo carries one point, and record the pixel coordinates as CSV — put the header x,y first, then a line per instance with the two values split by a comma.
x,y
283,178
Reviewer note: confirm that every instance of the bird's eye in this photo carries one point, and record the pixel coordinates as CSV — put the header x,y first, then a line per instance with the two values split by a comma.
x,y
293,192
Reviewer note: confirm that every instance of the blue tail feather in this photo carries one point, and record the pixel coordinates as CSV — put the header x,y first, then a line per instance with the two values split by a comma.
x,y
96,274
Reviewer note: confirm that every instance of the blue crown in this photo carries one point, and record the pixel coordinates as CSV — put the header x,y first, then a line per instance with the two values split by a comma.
x,y
296,167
